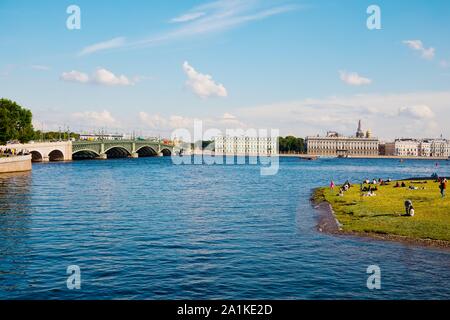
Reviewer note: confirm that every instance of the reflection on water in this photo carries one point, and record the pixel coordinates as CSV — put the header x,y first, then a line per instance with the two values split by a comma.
x,y
144,228
15,206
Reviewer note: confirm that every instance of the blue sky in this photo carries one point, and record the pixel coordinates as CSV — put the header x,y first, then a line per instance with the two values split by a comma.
x,y
303,67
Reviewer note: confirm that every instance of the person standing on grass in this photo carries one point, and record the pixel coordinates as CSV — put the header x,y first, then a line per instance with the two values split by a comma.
x,y
443,186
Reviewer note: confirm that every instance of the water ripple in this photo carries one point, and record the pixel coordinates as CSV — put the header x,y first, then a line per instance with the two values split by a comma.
x,y
145,229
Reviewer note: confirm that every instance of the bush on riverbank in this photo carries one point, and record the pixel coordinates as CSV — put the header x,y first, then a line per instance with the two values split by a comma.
x,y
382,214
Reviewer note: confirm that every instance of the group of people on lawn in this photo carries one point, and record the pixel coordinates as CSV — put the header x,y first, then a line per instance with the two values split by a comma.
x,y
368,189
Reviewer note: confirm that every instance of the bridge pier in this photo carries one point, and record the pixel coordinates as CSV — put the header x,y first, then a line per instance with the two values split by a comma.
x,y
134,155
103,156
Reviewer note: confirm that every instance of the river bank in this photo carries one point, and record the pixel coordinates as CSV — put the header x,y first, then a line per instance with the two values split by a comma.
x,y
15,164
381,217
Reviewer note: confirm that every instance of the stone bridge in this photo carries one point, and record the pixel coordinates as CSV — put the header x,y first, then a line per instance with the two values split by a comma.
x,y
45,151
68,150
105,149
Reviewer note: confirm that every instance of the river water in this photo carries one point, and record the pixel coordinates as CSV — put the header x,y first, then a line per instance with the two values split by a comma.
x,y
148,229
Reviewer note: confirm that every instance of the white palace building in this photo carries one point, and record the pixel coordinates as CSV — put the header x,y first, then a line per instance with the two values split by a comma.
x,y
333,144
419,148
246,145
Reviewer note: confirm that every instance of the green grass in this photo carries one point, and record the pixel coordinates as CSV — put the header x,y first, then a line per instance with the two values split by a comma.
x,y
382,214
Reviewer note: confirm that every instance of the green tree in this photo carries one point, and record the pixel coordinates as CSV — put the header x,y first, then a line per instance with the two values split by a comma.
x,y
15,122
291,144
203,144
207,144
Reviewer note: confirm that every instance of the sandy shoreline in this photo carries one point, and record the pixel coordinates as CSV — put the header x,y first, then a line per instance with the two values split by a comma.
x,y
328,223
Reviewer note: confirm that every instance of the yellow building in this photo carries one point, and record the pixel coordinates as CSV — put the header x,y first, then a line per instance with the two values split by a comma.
x,y
334,144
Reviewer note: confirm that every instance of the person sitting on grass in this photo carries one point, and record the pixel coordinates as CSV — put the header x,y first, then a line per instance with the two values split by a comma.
x,y
408,208
348,184
411,211
370,194
403,184
397,185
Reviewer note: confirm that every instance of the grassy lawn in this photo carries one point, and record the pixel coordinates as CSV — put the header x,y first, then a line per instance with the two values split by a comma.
x,y
382,213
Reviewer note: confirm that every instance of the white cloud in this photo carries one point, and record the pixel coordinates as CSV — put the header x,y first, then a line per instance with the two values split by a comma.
x,y
167,125
229,121
155,124
101,76
153,121
105,45
40,67
75,76
426,116
212,17
228,116
417,112
354,79
223,15
180,122
202,84
106,77
417,45
97,119
187,17
158,122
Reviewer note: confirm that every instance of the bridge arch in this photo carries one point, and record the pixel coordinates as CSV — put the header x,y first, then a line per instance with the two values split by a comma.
x,y
36,156
117,152
146,151
56,155
84,154
166,152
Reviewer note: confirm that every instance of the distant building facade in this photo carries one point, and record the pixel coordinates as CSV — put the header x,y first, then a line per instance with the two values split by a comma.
x,y
403,148
418,148
382,149
333,144
244,145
